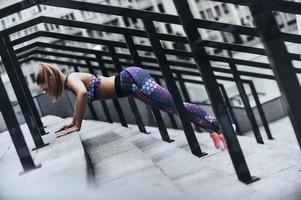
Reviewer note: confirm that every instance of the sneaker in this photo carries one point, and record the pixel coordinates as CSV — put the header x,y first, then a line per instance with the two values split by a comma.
x,y
224,142
216,140
219,141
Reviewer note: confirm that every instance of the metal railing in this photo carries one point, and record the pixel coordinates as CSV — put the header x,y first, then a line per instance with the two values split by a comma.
x,y
165,69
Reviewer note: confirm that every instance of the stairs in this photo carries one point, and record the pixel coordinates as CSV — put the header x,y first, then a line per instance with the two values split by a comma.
x,y
109,161
124,155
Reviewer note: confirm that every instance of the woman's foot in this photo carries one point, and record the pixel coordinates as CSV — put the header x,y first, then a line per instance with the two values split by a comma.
x,y
219,141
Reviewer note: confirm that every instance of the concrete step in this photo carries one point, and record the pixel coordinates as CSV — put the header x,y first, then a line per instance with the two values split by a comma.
x,y
193,176
271,162
132,165
120,168
62,173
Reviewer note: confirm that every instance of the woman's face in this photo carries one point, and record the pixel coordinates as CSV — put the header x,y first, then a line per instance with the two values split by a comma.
x,y
44,87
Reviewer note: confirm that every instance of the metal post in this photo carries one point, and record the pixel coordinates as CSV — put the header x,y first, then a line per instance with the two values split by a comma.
x,y
115,101
228,104
171,85
183,87
205,68
246,103
260,110
280,60
30,101
186,97
21,90
157,114
131,99
15,131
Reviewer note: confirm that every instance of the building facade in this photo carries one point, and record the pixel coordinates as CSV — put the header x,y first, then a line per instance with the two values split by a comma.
x,y
202,9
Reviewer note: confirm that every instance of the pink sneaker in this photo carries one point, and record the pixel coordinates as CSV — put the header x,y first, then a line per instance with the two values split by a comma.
x,y
221,136
219,141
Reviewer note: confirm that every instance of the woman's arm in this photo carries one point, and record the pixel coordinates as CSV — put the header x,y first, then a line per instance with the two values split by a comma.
x,y
77,86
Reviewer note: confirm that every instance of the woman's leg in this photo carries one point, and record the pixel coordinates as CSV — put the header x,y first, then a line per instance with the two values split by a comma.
x,y
136,81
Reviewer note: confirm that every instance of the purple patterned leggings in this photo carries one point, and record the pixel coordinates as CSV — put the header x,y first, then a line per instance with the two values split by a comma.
x,y
137,82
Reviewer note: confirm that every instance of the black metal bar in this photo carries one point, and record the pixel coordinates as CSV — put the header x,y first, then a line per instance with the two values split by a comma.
x,y
116,103
260,111
183,87
180,64
15,131
214,94
230,109
161,126
133,32
106,111
280,61
171,85
246,102
136,58
19,85
139,47
29,99
131,99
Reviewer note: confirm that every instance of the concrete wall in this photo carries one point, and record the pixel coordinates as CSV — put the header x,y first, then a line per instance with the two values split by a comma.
x,y
64,108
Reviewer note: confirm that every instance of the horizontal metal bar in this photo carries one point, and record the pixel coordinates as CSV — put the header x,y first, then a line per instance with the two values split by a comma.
x,y
180,64
187,65
139,47
250,74
67,37
16,7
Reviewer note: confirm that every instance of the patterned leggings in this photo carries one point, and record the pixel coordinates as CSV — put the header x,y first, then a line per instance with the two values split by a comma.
x,y
137,82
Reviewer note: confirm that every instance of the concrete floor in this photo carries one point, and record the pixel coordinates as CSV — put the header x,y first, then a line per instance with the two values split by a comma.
x,y
126,164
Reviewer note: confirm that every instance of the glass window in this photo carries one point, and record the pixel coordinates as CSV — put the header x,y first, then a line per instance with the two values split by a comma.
x,y
203,15
217,10
225,8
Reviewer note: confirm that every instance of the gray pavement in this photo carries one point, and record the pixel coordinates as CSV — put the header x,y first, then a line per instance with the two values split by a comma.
x,y
109,161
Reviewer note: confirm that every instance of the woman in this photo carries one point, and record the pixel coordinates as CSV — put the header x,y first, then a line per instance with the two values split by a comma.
x,y
131,81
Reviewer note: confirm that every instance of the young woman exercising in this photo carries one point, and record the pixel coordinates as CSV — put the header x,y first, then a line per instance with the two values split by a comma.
x,y
131,81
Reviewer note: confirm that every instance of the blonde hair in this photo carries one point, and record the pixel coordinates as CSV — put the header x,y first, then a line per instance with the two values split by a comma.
x,y
51,75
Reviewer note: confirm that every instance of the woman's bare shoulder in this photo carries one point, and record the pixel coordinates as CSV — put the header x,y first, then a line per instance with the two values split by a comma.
x,y
82,76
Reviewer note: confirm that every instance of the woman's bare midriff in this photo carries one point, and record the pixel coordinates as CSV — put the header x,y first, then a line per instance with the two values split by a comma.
x,y
107,89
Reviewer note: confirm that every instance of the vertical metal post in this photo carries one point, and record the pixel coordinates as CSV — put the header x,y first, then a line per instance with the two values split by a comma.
x,y
260,110
30,101
89,104
183,87
246,103
228,104
220,110
160,123
15,131
131,99
171,85
186,97
280,61
170,115
115,101
21,90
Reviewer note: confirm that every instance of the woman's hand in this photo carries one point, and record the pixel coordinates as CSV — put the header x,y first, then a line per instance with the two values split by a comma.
x,y
67,131
65,127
